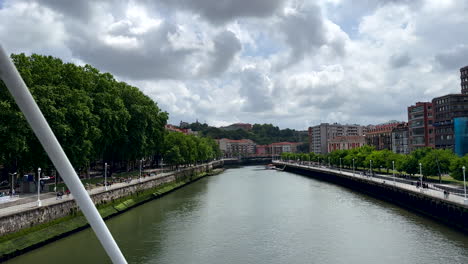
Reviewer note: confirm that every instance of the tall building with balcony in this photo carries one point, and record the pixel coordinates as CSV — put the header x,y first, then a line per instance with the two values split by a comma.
x,y
447,108
380,136
320,135
464,80
400,138
235,148
420,126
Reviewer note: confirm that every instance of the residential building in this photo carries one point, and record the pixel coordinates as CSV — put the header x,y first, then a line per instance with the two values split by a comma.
x,y
346,142
400,138
262,150
320,135
186,131
380,136
280,147
421,131
446,109
464,80
244,126
234,148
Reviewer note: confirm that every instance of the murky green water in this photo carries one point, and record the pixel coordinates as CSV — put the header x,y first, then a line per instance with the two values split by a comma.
x,y
252,215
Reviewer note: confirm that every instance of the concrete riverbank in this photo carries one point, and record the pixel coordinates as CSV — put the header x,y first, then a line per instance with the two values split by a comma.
x,y
451,210
25,227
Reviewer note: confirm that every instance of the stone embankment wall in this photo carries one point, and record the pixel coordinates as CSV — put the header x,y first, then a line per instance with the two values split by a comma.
x,y
38,215
445,211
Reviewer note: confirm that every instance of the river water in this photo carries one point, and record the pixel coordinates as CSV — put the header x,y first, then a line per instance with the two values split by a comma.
x,y
253,215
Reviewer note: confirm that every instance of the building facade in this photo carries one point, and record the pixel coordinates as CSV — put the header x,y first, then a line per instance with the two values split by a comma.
x,y
320,135
400,138
235,148
280,147
186,131
420,125
346,142
446,109
380,136
460,129
464,80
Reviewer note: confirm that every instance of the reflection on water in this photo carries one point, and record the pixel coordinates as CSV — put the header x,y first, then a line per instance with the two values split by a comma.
x,y
253,215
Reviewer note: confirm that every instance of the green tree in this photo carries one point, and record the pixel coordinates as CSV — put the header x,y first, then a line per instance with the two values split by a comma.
x,y
437,162
456,165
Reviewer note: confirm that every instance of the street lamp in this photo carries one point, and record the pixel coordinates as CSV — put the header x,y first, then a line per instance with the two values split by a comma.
x,y
12,183
39,203
393,172
464,184
105,176
420,172
353,167
370,168
340,164
141,162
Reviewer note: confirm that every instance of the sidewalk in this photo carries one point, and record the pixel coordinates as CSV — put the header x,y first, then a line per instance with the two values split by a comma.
x,y
50,198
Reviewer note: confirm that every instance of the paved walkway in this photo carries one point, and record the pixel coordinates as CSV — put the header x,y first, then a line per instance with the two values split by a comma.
x,y
16,207
48,198
429,192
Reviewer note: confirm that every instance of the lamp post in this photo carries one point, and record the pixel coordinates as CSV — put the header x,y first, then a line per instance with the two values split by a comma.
x,y
141,162
12,183
353,167
39,203
340,164
464,185
105,176
370,164
420,172
393,172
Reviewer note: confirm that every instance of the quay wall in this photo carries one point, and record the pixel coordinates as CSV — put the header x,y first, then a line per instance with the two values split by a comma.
x,y
442,210
39,215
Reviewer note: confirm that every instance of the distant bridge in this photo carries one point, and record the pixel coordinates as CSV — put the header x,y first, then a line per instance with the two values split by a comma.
x,y
248,160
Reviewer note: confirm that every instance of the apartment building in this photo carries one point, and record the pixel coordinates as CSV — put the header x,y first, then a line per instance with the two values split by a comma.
x,y
420,126
320,135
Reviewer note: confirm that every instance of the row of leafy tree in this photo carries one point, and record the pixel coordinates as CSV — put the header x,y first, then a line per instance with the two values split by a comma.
x,y
260,133
94,116
188,149
433,161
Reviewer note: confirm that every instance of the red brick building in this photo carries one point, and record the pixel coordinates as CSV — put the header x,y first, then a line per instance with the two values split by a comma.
x,y
420,126
380,136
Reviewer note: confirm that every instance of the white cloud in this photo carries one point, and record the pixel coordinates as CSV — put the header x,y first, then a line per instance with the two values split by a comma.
x,y
289,62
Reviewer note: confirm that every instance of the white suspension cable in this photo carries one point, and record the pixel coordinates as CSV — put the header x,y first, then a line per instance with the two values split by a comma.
x,y
25,101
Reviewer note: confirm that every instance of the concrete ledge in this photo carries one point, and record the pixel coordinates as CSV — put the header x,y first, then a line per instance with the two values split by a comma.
x,y
110,203
452,212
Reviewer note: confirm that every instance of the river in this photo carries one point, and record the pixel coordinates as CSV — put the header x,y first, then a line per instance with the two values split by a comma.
x,y
253,215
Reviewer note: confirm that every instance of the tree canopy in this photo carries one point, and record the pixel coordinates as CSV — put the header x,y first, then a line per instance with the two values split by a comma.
x,y
94,116
433,161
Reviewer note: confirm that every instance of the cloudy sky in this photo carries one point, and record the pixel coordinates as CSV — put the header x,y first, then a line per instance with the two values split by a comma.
x,y
290,63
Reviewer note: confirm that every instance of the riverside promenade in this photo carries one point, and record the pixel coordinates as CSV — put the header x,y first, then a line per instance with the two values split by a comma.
x,y
389,181
18,208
